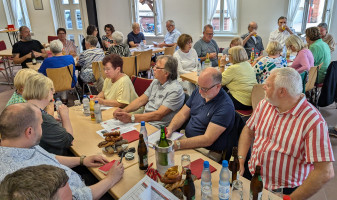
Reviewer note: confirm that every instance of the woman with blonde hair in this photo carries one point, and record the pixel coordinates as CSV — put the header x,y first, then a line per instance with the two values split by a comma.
x,y
304,59
239,78
264,64
55,139
19,81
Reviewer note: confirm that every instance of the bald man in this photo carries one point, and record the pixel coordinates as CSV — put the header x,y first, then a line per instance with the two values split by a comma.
x,y
211,116
252,40
135,36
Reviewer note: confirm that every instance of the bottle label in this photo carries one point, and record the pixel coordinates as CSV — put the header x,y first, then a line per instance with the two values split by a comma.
x,y
259,196
224,191
145,160
231,159
206,192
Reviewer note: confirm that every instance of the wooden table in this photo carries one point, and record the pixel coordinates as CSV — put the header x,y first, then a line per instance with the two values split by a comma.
x,y
154,49
35,67
5,56
191,77
14,35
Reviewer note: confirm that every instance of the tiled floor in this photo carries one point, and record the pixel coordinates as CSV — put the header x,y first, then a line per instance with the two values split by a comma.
x,y
328,192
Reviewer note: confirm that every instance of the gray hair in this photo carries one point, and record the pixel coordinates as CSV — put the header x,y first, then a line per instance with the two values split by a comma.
x,y
323,25
56,46
207,26
171,66
171,22
118,37
289,79
92,40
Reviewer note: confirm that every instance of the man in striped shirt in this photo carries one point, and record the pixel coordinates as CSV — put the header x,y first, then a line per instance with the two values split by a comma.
x,y
291,143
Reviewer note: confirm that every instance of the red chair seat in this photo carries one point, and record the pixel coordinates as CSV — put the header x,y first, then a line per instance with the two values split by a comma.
x,y
140,84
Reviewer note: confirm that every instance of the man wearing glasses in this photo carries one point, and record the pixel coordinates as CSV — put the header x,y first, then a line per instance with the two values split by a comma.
x,y
210,114
207,45
162,99
171,36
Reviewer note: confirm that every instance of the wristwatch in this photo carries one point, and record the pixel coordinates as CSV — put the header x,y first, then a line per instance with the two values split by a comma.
x,y
81,159
133,118
178,144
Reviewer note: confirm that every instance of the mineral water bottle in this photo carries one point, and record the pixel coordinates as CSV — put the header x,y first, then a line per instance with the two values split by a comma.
x,y
57,104
142,45
86,106
144,132
98,113
198,67
224,186
206,182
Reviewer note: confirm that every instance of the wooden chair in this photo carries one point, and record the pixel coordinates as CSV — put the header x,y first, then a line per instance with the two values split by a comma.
x,y
98,70
143,61
311,79
140,84
170,50
312,87
129,65
257,95
6,69
62,78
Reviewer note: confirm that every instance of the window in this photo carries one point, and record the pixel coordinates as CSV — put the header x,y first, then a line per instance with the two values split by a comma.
x,y
148,13
222,15
303,14
67,17
16,13
78,19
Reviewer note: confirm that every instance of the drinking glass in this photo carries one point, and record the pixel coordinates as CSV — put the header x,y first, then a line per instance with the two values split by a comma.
x,y
186,161
77,105
237,190
275,192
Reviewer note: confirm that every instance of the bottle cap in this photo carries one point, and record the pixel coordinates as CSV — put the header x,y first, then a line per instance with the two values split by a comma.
x,y
96,101
286,197
224,163
206,164
84,96
199,59
91,96
58,99
142,123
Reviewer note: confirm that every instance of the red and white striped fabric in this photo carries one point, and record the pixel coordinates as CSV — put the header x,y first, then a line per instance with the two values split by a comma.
x,y
68,47
287,144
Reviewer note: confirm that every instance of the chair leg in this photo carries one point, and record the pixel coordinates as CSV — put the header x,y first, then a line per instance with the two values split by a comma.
x,y
89,89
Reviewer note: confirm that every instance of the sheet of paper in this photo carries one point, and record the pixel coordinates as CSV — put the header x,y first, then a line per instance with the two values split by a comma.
x,y
105,107
148,189
154,137
155,43
113,124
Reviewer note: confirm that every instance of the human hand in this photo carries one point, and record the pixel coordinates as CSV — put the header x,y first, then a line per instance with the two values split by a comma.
x,y
124,117
161,45
94,161
100,101
253,33
117,111
116,172
63,110
37,54
212,55
169,132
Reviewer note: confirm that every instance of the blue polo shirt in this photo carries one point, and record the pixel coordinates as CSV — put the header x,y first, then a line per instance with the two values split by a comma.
x,y
136,38
219,110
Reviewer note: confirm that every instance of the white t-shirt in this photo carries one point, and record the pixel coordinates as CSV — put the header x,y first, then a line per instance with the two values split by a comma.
x,y
187,62
279,36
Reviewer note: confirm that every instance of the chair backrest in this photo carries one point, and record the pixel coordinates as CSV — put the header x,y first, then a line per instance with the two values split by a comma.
x,y
129,65
257,94
98,70
51,38
311,79
170,50
144,61
2,45
61,77
304,76
140,84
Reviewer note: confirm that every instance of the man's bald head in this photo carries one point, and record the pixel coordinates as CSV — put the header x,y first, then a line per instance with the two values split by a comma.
x,y
16,118
212,74
252,26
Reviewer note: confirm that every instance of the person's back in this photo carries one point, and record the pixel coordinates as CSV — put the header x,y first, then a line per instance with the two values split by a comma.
x,y
263,67
321,52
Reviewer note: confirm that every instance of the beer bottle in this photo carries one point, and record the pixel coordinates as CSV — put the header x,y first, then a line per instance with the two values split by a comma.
x,y
162,157
256,185
188,188
252,54
207,61
142,153
234,166
33,58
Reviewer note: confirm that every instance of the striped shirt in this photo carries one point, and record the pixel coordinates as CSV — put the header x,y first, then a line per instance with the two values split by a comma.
x,y
68,47
286,144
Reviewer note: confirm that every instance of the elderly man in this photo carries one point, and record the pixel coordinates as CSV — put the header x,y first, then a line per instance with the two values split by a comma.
x,y
252,40
26,184
171,36
162,99
291,143
326,37
23,50
20,128
135,36
211,116
207,45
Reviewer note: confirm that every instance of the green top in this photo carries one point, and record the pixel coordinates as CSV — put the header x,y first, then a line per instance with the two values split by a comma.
x,y
321,52
16,98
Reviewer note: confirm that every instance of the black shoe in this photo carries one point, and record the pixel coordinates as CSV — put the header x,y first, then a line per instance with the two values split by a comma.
x,y
332,132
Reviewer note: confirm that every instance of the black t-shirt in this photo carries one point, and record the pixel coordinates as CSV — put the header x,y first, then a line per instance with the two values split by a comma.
x,y
24,48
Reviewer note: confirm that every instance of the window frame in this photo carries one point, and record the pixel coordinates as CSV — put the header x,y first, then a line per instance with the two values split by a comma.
x,y
11,17
221,33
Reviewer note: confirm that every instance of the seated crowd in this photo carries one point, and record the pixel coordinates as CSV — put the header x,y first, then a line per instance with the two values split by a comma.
x,y
289,132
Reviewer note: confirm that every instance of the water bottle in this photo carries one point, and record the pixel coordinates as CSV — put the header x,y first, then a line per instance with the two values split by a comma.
x,y
206,182
144,132
98,113
198,67
57,104
142,45
86,106
224,186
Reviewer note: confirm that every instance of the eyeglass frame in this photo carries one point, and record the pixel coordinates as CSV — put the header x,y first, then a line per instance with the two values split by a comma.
x,y
158,67
207,89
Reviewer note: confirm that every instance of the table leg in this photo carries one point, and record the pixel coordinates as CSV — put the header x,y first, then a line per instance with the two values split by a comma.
x,y
9,37
9,75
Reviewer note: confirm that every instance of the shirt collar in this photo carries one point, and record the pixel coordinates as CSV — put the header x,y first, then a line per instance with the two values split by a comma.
x,y
21,153
296,110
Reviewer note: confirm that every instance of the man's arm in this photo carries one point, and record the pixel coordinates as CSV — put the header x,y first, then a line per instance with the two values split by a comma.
x,y
137,103
322,173
132,44
245,141
212,133
18,60
247,38
178,120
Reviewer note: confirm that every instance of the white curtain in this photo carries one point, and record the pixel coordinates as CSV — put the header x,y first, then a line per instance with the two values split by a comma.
x,y
211,8
25,13
232,10
159,14
16,13
292,10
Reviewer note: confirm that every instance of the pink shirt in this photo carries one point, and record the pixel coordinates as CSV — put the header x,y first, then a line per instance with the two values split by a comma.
x,y
287,144
303,61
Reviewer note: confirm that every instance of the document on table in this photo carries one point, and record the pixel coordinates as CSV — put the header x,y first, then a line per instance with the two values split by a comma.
x,y
114,124
148,189
154,137
105,107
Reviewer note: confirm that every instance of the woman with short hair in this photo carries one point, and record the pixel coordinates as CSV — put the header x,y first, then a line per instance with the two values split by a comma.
x,y
107,38
118,47
55,138
239,78
187,60
264,64
92,30
69,47
304,59
19,81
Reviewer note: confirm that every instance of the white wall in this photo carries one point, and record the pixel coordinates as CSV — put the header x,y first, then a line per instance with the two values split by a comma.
x,y
333,29
3,24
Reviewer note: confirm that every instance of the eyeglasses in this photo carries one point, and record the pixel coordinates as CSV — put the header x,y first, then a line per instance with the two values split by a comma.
x,y
158,67
207,89
209,34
